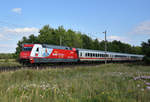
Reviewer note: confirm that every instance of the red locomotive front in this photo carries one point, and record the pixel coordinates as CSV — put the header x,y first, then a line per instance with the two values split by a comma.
x,y
25,53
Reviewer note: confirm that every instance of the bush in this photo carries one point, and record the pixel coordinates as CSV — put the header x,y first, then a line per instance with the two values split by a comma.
x,y
146,51
146,60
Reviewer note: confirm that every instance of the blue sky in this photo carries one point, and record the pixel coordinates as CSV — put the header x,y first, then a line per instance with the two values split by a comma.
x,y
124,20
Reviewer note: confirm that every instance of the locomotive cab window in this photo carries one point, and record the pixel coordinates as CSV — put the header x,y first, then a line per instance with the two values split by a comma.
x,y
26,48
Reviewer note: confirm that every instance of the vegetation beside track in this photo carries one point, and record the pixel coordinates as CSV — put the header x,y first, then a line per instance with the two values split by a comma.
x,y
9,63
101,83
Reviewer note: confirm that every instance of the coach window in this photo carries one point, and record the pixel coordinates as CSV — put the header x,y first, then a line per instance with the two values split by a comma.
x,y
88,54
80,53
85,54
93,54
106,55
103,55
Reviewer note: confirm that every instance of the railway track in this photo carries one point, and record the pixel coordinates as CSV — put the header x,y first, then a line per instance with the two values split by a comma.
x,y
9,68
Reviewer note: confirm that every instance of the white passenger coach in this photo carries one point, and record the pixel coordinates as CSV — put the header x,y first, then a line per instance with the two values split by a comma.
x,y
96,55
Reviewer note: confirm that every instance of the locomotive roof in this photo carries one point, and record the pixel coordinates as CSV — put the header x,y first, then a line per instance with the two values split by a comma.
x,y
56,47
27,45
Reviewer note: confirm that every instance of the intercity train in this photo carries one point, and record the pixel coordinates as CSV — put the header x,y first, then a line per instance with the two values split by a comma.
x,y
43,53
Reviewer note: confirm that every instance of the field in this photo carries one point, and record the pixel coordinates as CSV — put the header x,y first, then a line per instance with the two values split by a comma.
x,y
101,83
9,63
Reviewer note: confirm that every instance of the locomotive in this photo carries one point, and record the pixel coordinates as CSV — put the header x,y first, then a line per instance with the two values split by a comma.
x,y
43,53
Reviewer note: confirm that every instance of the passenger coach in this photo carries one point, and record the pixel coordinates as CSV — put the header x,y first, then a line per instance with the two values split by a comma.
x,y
96,55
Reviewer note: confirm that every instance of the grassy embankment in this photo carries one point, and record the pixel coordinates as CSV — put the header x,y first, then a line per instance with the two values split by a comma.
x,y
103,83
9,63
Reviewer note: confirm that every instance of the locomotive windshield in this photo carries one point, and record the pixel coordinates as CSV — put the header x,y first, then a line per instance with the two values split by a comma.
x,y
26,48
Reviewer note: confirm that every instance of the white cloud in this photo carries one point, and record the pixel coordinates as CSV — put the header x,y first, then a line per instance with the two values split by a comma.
x,y
142,28
25,30
1,36
7,48
118,38
14,33
17,10
7,45
9,36
114,37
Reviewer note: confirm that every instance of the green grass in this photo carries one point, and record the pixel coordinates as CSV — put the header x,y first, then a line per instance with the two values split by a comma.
x,y
9,63
102,83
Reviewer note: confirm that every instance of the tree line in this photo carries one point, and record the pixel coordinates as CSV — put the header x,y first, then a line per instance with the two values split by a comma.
x,y
61,36
7,55
146,51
